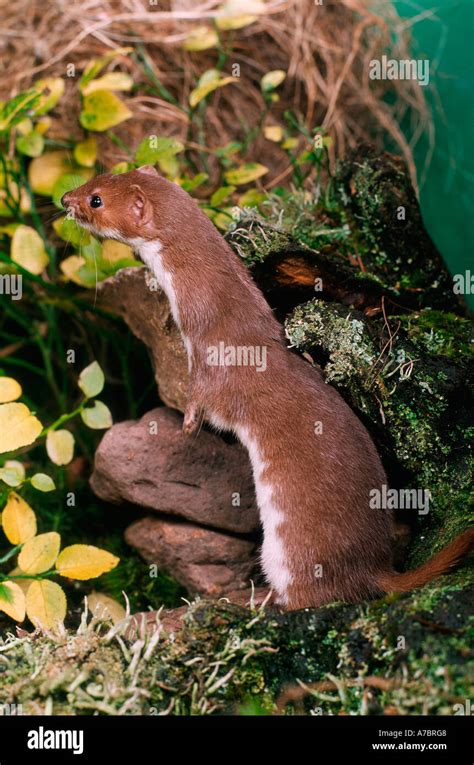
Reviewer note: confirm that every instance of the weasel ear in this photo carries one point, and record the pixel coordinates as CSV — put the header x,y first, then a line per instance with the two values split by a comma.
x,y
147,170
142,209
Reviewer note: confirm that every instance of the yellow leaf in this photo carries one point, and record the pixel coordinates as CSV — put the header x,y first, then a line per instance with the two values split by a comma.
x,y
85,153
18,520
10,390
28,250
103,110
226,23
120,167
60,446
19,195
12,600
18,427
70,267
94,67
43,125
84,562
273,79
45,604
109,81
201,38
42,482
44,171
245,173
105,607
251,198
273,133
239,13
55,86
206,86
113,251
39,554
290,143
24,127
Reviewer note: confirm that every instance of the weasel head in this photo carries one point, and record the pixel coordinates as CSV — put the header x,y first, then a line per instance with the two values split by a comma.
x,y
125,207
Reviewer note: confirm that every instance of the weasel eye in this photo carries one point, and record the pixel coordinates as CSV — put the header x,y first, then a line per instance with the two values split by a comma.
x,y
96,201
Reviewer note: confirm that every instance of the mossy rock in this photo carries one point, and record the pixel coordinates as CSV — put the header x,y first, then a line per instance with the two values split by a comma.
x,y
410,379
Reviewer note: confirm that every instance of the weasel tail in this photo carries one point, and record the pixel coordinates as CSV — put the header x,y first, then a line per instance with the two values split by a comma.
x,y
441,563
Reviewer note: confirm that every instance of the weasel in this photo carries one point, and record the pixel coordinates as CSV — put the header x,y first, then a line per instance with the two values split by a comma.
x,y
314,463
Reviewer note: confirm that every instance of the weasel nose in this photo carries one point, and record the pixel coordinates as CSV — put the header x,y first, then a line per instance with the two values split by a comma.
x,y
64,200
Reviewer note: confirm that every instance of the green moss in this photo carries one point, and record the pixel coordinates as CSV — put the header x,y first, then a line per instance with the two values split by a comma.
x,y
232,660
415,400
339,332
380,203
440,333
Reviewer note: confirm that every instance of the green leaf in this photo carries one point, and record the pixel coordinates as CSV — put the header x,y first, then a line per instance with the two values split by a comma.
x,y
221,194
14,111
97,417
252,198
65,183
245,173
71,232
154,148
42,482
103,110
91,380
189,184
31,144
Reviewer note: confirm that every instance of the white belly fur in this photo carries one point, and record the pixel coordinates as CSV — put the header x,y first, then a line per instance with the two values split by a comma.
x,y
150,253
273,553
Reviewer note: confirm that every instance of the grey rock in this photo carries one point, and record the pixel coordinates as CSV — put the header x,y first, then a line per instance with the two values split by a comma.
x,y
204,561
150,463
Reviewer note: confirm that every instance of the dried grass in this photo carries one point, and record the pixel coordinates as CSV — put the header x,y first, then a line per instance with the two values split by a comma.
x,y
325,49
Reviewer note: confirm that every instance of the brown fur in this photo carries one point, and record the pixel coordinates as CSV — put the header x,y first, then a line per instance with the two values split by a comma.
x,y
321,484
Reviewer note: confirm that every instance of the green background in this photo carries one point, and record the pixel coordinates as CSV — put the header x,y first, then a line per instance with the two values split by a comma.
x,y
446,195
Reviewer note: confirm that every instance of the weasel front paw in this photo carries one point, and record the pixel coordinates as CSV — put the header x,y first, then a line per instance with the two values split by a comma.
x,y
191,420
